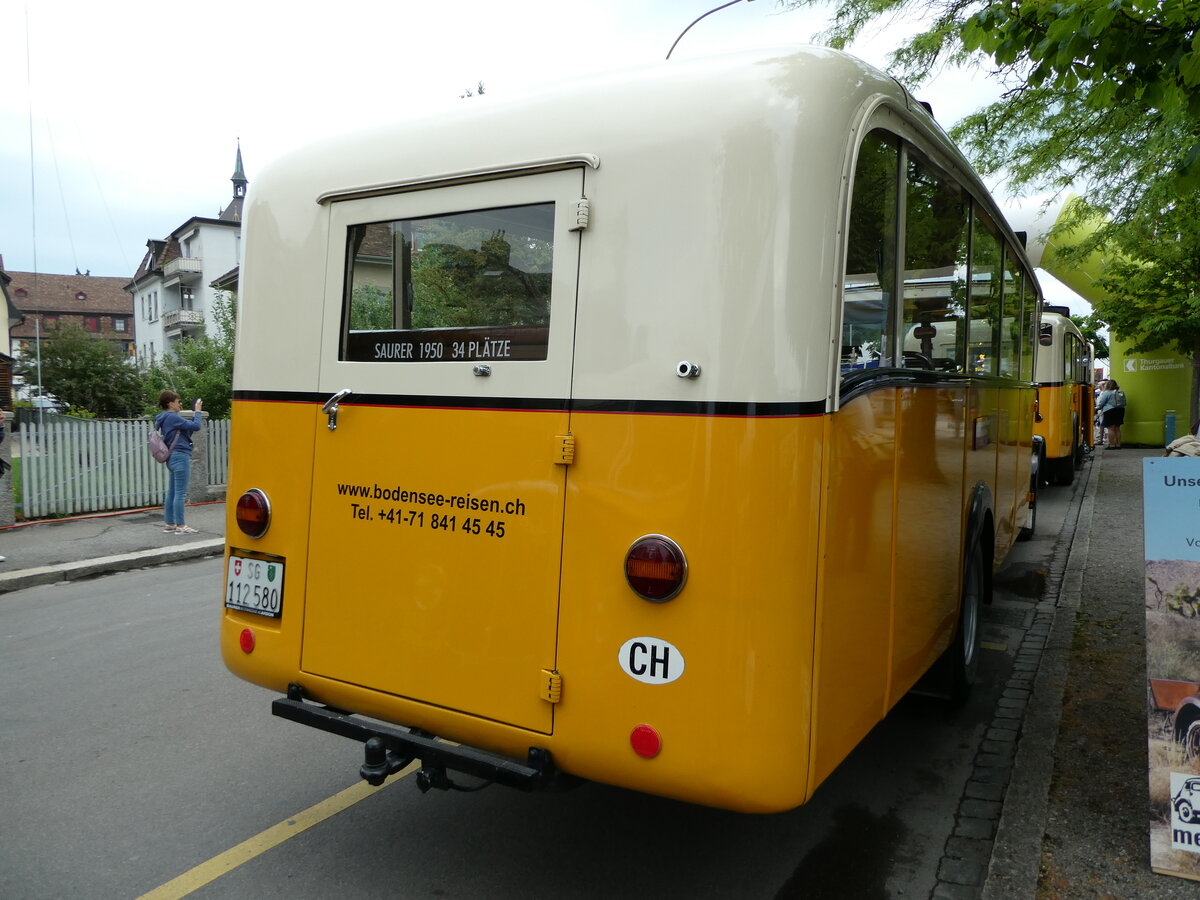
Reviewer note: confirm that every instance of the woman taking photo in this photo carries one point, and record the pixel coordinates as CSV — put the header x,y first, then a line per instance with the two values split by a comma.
x,y
1111,405
177,434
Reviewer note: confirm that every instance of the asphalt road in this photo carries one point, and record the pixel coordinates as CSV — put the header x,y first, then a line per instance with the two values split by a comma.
x,y
132,762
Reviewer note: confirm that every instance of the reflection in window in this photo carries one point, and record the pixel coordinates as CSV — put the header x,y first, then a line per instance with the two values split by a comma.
x,y
1031,317
462,286
1010,329
984,338
869,285
935,266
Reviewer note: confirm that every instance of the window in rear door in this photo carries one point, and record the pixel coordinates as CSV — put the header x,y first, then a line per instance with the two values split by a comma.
x,y
463,286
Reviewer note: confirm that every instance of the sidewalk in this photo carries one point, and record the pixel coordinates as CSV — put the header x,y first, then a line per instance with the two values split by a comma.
x,y
1076,815
65,549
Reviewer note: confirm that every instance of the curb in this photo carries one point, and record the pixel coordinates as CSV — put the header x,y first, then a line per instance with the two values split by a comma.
x,y
15,581
1015,865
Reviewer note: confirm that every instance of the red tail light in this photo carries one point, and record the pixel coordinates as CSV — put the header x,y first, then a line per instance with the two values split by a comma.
x,y
253,513
655,568
646,742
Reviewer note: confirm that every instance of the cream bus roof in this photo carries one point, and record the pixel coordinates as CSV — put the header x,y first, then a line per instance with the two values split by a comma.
x,y
682,101
717,189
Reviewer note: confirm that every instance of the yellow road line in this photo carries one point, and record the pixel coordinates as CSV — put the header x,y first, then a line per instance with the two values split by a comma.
x,y
212,869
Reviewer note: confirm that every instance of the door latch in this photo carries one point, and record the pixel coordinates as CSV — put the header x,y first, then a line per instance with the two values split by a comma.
x,y
331,407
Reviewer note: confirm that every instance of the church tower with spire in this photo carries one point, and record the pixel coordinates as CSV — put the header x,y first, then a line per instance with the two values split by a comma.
x,y
233,212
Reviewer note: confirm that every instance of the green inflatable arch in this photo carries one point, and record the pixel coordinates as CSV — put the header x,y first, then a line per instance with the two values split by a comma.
x,y
1158,384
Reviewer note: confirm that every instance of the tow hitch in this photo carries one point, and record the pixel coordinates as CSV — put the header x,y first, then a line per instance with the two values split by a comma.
x,y
388,749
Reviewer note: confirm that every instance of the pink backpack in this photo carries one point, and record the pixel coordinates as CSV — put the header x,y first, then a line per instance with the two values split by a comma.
x,y
158,447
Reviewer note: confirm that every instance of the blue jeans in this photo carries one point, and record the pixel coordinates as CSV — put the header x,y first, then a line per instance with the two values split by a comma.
x,y
179,468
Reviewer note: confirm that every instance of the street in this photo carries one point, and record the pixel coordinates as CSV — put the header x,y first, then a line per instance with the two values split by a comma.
x,y
132,760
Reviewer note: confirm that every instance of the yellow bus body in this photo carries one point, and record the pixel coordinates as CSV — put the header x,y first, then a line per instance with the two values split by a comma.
x,y
451,535
1066,405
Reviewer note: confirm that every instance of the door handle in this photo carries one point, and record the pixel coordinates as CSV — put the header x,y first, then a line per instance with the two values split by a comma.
x,y
331,407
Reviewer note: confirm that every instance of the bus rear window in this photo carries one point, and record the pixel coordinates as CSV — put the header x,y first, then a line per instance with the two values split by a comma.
x,y
466,286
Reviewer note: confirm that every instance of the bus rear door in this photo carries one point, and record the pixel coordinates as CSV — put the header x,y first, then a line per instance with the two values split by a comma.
x,y
438,480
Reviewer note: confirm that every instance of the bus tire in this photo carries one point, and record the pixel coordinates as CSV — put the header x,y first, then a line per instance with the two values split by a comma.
x,y
1027,530
964,651
1063,470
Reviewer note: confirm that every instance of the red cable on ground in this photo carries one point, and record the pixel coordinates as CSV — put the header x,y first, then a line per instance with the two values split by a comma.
x,y
107,515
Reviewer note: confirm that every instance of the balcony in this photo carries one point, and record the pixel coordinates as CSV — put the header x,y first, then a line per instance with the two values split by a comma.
x,y
182,270
177,322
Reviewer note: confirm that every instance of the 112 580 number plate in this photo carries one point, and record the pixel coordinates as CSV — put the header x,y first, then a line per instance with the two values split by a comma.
x,y
255,585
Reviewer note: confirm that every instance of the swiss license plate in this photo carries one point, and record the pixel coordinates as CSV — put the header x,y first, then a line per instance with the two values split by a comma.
x,y
255,585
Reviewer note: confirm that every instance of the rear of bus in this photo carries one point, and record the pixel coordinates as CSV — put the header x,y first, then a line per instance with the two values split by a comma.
x,y
1065,403
532,434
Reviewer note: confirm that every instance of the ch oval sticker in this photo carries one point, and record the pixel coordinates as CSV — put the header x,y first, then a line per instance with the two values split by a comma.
x,y
651,660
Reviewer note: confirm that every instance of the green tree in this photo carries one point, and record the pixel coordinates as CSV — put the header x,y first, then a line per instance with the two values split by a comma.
x,y
1152,283
1105,92
200,367
85,372
1091,327
1103,97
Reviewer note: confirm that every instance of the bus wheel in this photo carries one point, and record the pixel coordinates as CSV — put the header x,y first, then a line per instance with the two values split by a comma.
x,y
1035,485
1064,469
1025,533
964,661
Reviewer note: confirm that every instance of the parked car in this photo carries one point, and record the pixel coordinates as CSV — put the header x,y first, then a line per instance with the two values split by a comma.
x,y
1187,801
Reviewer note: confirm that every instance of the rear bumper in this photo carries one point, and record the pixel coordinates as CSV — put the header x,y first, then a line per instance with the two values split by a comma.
x,y
391,748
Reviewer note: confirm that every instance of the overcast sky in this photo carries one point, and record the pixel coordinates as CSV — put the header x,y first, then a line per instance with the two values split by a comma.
x,y
131,112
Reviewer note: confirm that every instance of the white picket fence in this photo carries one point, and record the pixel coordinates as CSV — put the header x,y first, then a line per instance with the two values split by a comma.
x,y
71,466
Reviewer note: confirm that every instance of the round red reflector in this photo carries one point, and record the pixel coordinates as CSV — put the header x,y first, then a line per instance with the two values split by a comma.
x,y
247,640
645,741
253,513
655,568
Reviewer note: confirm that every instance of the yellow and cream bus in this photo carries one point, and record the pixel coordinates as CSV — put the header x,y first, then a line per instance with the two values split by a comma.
x,y
1065,380
579,436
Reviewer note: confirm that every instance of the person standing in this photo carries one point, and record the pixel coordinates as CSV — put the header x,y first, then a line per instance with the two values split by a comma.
x,y
1111,406
177,434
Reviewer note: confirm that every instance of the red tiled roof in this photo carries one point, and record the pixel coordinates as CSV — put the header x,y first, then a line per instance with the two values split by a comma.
x,y
60,293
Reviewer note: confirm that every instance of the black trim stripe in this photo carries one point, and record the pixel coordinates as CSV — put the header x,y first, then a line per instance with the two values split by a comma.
x,y
525,404
712,408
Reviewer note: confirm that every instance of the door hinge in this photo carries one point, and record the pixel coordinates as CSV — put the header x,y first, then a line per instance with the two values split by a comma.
x,y
564,449
583,214
551,685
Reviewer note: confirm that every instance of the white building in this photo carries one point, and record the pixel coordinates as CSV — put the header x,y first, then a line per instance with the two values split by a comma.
x,y
172,290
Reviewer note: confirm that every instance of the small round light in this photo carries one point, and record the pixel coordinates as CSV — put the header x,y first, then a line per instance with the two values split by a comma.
x,y
655,568
645,742
246,639
253,513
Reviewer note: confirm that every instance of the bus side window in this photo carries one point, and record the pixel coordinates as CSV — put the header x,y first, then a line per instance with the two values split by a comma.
x,y
935,267
869,286
1032,325
986,286
1011,319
